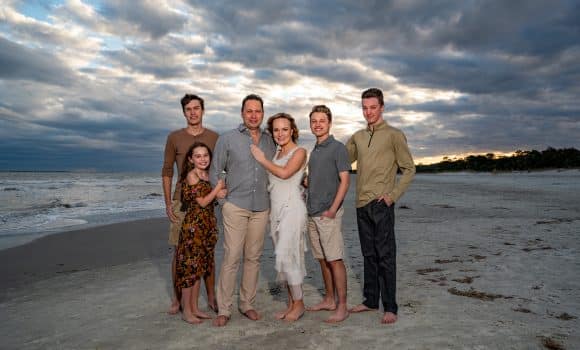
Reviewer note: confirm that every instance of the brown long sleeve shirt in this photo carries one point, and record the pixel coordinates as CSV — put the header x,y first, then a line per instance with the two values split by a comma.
x,y
178,143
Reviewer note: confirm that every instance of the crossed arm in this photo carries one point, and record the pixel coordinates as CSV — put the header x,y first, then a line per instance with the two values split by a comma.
x,y
295,163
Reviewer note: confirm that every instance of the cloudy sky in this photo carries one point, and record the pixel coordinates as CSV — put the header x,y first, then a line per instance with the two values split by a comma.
x,y
96,84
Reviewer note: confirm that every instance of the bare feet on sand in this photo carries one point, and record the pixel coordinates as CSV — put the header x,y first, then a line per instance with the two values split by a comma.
x,y
221,321
201,314
190,318
252,315
361,308
389,318
174,308
281,314
295,313
340,315
324,305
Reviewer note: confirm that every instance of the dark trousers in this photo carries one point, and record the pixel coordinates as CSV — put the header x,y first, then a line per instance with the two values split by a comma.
x,y
376,230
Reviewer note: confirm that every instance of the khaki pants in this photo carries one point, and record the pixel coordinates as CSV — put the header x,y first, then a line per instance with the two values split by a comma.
x,y
244,232
175,228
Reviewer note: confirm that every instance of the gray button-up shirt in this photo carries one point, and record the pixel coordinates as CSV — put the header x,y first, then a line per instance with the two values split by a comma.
x,y
246,179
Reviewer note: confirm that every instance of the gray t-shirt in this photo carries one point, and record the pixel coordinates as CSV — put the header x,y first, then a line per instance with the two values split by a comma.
x,y
327,160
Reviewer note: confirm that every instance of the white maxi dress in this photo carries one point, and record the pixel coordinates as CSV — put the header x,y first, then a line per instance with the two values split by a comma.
x,y
288,224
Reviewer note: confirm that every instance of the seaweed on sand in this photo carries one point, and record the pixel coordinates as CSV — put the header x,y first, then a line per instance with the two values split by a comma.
x,y
472,293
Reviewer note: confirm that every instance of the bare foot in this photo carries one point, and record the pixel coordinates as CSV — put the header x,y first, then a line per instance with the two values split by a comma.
x,y
361,308
190,318
201,314
326,305
220,321
174,308
252,315
340,315
389,318
281,314
295,313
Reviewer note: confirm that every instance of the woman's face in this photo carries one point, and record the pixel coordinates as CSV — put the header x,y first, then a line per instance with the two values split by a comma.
x,y
200,158
282,131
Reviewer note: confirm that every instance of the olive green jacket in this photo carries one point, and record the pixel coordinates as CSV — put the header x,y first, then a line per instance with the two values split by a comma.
x,y
379,152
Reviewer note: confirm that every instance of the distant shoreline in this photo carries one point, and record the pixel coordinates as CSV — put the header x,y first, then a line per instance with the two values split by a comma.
x,y
39,171
559,170
444,171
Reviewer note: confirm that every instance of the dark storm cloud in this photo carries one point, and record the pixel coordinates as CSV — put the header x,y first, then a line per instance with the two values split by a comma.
x,y
148,17
74,142
517,27
163,59
458,76
476,124
22,63
132,60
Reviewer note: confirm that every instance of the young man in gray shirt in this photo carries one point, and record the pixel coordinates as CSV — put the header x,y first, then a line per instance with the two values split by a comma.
x,y
328,181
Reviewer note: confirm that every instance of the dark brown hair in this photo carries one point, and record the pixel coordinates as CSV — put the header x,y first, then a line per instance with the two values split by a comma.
x,y
252,97
188,98
187,166
374,92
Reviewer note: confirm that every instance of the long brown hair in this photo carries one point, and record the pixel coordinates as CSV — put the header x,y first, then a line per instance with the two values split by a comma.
x,y
187,165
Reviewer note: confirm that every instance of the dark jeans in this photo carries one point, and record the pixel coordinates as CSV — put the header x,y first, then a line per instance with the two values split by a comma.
x,y
376,230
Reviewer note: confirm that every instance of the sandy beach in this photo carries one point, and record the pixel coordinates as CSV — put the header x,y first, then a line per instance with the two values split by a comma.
x,y
484,262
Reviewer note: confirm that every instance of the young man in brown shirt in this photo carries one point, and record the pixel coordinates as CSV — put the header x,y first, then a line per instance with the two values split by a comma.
x,y
178,143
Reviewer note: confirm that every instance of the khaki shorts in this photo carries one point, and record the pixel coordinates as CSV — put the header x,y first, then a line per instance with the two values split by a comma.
x,y
326,237
174,228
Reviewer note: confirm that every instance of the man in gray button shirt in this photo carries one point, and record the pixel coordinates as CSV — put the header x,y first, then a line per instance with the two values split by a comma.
x,y
246,208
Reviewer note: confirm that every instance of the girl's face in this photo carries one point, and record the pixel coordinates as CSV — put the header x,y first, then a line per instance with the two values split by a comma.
x,y
282,131
200,158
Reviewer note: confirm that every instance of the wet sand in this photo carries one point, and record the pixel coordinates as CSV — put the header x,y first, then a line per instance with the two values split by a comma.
x,y
482,264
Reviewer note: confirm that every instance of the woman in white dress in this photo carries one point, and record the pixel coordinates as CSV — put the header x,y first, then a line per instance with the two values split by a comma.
x,y
287,210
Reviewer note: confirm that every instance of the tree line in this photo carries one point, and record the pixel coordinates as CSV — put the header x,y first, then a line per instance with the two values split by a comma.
x,y
549,158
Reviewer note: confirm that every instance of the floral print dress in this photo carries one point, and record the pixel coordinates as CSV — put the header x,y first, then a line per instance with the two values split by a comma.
x,y
197,238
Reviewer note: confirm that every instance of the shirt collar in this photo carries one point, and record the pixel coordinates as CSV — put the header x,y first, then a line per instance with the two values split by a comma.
x,y
379,126
326,142
244,129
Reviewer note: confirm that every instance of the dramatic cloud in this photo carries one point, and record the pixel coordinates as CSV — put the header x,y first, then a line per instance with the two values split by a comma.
x,y
18,62
96,85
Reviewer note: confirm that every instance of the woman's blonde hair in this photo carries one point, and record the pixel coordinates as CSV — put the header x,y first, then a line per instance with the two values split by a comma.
x,y
288,117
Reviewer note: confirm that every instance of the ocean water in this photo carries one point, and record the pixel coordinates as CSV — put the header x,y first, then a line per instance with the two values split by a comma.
x,y
33,204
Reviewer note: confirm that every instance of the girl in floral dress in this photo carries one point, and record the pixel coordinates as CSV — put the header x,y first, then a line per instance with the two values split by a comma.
x,y
199,234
